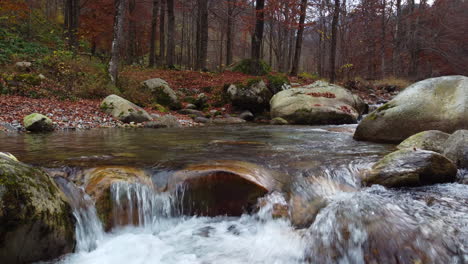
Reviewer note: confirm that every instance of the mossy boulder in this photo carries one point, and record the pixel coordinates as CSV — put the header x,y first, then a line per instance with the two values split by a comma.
x,y
278,83
407,167
251,67
316,104
278,121
38,123
456,148
36,223
432,140
124,110
162,93
253,96
223,187
433,104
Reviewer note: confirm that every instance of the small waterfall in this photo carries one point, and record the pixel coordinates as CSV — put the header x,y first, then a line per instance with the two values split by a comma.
x,y
138,205
88,230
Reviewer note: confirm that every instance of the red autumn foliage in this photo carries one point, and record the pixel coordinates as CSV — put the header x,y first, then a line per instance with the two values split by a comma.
x,y
345,109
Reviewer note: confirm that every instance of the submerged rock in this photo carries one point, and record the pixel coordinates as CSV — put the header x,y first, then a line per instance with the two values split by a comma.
x,y
433,104
411,168
36,223
98,185
222,187
278,121
319,103
456,148
432,140
124,110
38,123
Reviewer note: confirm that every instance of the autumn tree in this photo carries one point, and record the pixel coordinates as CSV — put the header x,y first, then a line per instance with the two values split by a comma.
x,y
300,32
119,19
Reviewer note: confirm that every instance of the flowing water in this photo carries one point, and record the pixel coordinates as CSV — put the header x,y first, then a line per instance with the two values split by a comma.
x,y
356,225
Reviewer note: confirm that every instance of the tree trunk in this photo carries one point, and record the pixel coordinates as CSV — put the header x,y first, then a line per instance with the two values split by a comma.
x,y
257,37
229,33
71,23
119,19
202,52
132,38
300,32
397,43
170,33
336,16
383,32
162,32
154,25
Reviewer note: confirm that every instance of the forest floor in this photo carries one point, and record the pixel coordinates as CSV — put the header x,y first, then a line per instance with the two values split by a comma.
x,y
74,111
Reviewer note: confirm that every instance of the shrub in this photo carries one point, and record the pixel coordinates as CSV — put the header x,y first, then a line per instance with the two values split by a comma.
x,y
276,82
252,67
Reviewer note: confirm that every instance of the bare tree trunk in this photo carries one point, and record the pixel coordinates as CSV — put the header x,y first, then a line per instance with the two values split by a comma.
x,y
229,33
300,32
170,33
257,37
131,48
154,25
71,17
162,32
270,58
384,32
397,43
120,7
336,14
202,52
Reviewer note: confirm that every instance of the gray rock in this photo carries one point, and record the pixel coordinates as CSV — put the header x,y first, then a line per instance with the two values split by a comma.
x,y
190,106
202,120
318,103
23,65
166,121
278,121
411,168
162,92
456,148
195,113
247,116
124,110
433,104
38,123
254,97
432,140
228,120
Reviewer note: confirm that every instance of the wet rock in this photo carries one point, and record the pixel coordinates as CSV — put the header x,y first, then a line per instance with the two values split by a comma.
x,y
98,186
318,103
162,93
236,143
411,168
456,148
247,116
124,110
222,187
227,120
36,223
432,140
278,121
202,120
254,96
166,121
38,123
433,104
309,196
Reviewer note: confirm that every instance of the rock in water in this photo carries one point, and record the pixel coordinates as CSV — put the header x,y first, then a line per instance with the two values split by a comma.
x,y
433,104
254,96
162,93
124,110
432,140
319,103
247,116
411,168
222,187
278,121
36,224
38,123
456,148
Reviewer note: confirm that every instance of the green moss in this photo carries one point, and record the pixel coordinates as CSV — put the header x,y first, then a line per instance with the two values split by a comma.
x,y
385,107
252,67
275,82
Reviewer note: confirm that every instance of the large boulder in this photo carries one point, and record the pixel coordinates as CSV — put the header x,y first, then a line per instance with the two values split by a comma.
x,y
433,104
36,223
409,167
162,93
254,96
456,148
319,103
38,123
432,140
124,110
222,187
